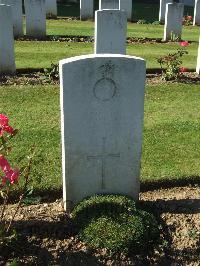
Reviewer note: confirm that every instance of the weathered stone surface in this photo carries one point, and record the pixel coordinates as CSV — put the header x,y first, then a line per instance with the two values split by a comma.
x,y
51,8
86,9
196,19
35,18
162,9
16,6
173,21
126,5
110,31
198,60
7,57
102,102
108,4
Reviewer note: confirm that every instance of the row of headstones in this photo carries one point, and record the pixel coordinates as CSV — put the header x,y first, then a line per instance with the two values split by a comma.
x,y
102,108
164,9
110,36
87,6
173,15
36,12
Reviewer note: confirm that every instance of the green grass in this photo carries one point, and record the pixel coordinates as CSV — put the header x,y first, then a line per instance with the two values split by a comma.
x,y
41,54
33,54
86,28
171,131
35,112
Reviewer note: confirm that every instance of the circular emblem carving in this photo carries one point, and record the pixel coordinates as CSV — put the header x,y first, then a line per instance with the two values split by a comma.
x,y
105,89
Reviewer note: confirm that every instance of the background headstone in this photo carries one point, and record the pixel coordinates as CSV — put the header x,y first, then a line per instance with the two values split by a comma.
x,y
196,19
162,9
198,60
102,102
173,21
51,8
17,17
7,57
108,4
127,6
110,31
35,11
187,2
86,9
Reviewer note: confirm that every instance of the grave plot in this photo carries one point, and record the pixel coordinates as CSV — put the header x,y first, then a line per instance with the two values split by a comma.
x,y
107,146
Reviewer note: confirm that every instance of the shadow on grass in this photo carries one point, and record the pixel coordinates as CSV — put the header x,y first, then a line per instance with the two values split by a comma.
x,y
31,252
57,235
149,185
45,243
182,206
51,194
77,258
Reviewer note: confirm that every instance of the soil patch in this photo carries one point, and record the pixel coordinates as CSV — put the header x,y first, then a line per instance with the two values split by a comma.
x,y
90,39
46,233
38,77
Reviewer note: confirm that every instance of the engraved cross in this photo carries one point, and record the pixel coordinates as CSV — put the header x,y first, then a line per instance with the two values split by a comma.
x,y
103,156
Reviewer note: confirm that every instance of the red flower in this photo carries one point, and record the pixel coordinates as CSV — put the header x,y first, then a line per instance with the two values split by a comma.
x,y
183,69
4,164
3,120
4,127
11,175
189,17
184,43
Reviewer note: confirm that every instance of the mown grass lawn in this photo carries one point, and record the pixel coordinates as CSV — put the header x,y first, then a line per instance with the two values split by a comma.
x,y
86,28
42,54
171,130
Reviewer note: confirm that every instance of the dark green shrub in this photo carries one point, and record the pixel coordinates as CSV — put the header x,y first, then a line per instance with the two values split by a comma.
x,y
113,222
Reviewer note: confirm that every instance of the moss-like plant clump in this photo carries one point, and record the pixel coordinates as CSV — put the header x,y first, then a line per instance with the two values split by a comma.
x,y
113,222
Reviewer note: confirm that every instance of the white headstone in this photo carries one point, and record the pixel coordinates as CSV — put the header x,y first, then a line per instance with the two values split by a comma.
x,y
198,60
196,19
126,5
108,4
35,18
51,8
86,9
102,101
162,9
110,31
173,21
16,15
7,57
